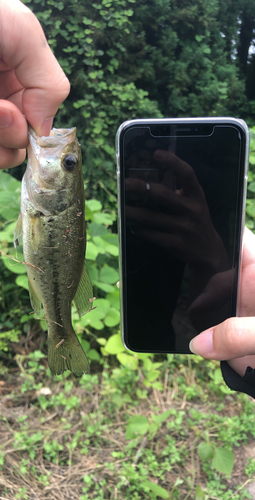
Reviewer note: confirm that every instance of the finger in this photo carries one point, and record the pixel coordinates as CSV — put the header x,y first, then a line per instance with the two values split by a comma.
x,y
157,193
13,126
150,218
26,50
233,338
183,170
215,294
170,242
11,157
246,296
9,84
248,248
240,365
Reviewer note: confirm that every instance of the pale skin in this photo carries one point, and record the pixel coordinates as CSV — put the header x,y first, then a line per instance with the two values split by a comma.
x,y
32,87
234,339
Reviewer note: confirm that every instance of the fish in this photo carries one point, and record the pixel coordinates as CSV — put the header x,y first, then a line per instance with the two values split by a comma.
x,y
51,226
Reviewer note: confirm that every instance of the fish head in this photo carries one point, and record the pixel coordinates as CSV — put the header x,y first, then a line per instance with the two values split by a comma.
x,y
54,170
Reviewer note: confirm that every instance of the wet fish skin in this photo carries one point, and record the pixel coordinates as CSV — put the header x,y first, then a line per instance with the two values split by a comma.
x,y
52,223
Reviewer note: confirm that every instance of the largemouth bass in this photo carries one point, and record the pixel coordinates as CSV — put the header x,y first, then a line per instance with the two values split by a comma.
x,y
52,225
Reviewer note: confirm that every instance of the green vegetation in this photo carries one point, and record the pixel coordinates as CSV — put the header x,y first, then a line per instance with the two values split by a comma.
x,y
108,435
147,58
140,426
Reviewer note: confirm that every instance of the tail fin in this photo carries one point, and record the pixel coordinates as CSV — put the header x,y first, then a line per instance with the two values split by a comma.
x,y
67,354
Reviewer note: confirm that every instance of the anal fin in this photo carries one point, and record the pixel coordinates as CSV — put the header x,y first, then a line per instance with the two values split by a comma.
x,y
84,293
35,301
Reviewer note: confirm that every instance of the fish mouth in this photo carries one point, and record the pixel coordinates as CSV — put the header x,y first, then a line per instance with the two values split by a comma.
x,y
57,137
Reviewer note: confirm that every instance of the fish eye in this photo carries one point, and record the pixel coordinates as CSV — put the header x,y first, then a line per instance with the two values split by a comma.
x,y
69,162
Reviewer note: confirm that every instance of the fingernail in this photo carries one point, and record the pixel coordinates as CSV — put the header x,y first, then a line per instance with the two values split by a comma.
x,y
46,126
202,344
6,118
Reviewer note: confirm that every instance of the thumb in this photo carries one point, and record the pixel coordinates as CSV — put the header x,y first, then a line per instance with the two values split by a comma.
x,y
233,338
24,48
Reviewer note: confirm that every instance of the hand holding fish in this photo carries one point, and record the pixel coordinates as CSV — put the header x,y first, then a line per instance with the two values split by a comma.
x,y
32,83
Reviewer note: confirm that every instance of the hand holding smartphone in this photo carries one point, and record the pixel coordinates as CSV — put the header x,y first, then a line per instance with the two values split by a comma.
x,y
181,186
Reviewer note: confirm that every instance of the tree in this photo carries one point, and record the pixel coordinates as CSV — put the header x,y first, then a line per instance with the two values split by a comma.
x,y
144,58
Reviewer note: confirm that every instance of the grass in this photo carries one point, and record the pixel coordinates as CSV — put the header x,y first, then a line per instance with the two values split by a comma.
x,y
107,436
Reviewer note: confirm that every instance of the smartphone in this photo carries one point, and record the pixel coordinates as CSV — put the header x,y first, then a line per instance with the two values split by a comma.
x,y
181,204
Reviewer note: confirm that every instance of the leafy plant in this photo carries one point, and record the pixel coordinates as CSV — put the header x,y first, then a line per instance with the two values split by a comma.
x,y
250,202
222,459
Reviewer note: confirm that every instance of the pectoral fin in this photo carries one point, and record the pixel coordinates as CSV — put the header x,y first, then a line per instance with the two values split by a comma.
x,y
35,301
84,293
18,232
35,231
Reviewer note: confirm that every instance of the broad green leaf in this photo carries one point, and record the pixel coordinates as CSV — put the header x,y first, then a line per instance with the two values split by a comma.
x,y
104,286
200,494
9,183
127,360
250,210
251,186
96,323
93,355
92,270
142,394
158,386
108,274
92,251
112,318
147,364
9,205
111,238
85,344
153,428
205,451
97,229
6,236
14,262
22,280
99,242
158,490
114,344
161,418
103,218
152,375
112,250
252,158
223,460
143,355
138,425
94,205
102,307
101,340
114,299
9,228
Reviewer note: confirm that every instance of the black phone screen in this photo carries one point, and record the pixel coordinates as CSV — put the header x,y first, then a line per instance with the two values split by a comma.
x,y
181,217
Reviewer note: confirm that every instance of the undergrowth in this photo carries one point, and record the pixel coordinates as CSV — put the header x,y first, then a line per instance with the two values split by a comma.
x,y
111,436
